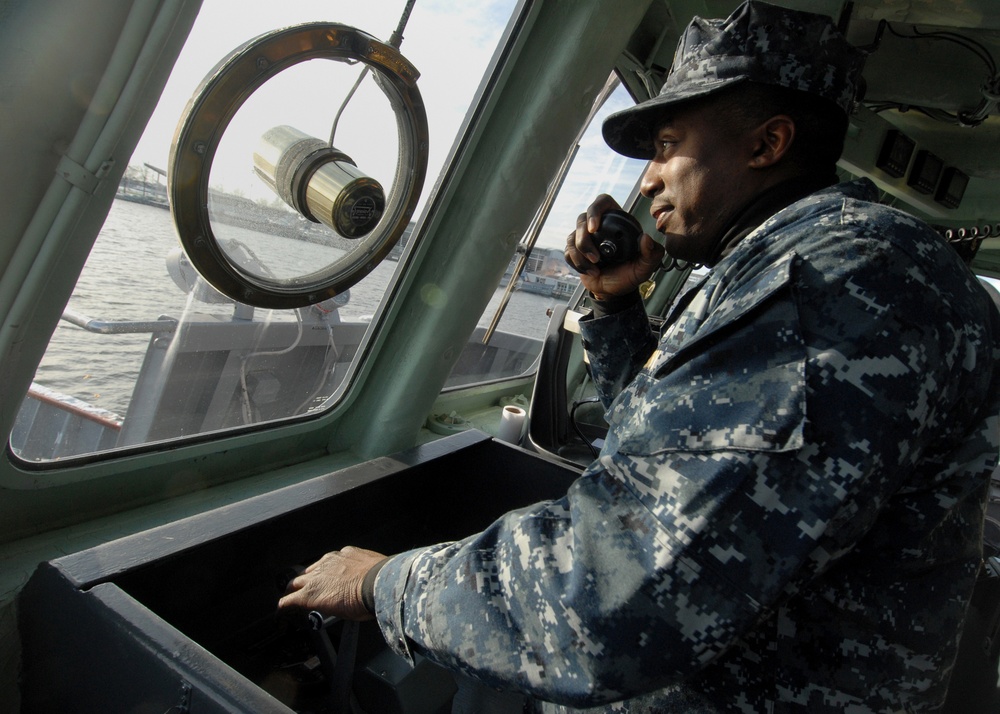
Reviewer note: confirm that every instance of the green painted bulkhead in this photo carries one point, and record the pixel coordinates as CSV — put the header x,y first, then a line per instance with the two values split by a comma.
x,y
514,140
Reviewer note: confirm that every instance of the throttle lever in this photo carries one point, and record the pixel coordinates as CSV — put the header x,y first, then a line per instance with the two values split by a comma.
x,y
337,664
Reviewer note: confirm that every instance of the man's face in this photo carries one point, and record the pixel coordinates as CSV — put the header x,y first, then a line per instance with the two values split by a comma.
x,y
699,179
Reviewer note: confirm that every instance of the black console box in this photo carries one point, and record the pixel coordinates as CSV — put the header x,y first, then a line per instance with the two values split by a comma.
x,y
183,617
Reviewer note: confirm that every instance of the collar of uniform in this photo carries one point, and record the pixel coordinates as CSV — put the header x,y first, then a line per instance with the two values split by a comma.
x,y
762,207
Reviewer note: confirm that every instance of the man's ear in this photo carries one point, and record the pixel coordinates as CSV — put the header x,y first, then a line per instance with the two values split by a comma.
x,y
772,139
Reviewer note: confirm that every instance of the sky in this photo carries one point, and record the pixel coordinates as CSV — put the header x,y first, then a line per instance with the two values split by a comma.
x,y
450,43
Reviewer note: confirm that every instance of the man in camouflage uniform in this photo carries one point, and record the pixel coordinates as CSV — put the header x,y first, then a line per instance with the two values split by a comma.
x,y
786,514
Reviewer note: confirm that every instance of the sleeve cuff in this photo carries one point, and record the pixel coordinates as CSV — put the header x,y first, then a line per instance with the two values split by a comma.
x,y
368,586
615,303
389,588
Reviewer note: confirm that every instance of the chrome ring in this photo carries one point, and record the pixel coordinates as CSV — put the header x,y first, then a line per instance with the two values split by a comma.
x,y
215,103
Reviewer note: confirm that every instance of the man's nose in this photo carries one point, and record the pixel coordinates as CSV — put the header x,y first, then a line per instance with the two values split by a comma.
x,y
651,183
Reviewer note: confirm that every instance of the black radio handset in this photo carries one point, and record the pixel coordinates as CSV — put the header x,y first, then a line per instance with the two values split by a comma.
x,y
617,239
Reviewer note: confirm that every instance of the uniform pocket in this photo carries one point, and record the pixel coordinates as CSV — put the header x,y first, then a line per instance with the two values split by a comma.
x,y
737,384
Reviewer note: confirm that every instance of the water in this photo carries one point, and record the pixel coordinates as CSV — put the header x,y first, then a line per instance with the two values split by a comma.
x,y
126,278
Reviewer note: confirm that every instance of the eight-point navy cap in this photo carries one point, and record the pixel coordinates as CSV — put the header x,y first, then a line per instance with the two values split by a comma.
x,y
760,43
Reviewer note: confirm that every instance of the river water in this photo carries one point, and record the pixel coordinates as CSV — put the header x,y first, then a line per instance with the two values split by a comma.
x,y
126,279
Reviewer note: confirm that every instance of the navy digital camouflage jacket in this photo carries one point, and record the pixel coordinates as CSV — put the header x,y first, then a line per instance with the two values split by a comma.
x,y
787,513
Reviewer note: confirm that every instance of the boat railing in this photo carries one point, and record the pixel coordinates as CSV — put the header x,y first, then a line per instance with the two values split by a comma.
x,y
51,426
200,384
118,327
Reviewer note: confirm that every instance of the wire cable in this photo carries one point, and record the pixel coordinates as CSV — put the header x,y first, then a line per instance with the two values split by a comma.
x,y
989,90
395,41
576,425
968,43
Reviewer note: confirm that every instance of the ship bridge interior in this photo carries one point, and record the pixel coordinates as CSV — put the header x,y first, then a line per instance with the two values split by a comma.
x,y
143,546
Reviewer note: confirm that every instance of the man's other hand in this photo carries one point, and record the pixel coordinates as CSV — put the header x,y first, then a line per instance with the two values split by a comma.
x,y
332,585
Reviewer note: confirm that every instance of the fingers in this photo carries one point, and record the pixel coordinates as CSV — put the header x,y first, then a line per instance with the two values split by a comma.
x,y
650,257
332,585
601,205
341,598
581,253
293,597
617,279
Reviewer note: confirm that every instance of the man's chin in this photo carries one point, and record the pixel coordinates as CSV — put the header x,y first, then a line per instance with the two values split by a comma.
x,y
678,248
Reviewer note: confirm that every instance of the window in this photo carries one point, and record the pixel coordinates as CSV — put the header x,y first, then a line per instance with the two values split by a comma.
x,y
547,280
146,350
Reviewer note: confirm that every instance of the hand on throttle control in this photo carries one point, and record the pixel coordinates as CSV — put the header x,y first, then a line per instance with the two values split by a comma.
x,y
332,585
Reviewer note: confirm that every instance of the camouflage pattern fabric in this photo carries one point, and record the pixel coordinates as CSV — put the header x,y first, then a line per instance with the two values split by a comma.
x,y
787,513
760,43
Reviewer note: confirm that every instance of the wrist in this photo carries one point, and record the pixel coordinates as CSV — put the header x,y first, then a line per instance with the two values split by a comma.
x,y
612,304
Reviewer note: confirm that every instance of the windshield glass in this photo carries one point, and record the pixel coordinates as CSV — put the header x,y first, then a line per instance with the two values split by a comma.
x,y
546,281
147,351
